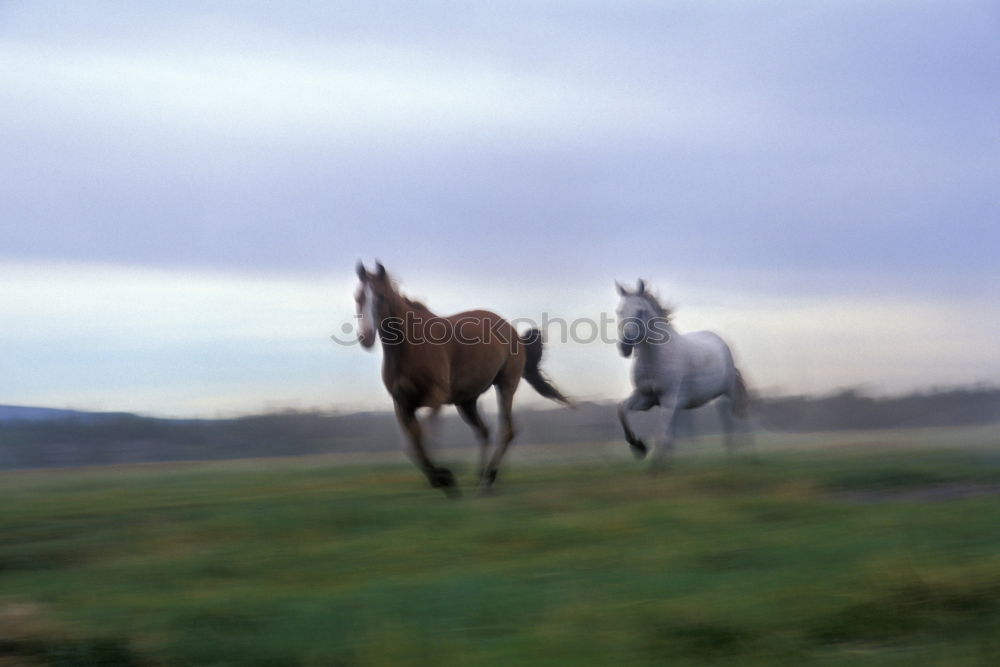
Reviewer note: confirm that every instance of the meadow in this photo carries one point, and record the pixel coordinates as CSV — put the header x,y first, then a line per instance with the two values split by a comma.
x,y
865,548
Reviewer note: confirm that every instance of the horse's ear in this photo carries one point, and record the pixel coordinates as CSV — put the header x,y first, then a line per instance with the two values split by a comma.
x,y
621,288
362,272
380,273
640,287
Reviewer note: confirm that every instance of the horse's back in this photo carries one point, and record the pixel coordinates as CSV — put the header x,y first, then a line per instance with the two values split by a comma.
x,y
708,343
481,346
710,369
475,328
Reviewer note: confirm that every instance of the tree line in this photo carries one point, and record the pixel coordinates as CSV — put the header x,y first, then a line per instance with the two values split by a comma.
x,y
94,439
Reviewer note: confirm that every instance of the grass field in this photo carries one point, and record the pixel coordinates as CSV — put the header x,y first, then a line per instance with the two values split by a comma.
x,y
859,549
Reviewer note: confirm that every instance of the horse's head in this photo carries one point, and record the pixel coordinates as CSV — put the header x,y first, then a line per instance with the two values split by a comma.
x,y
370,298
640,318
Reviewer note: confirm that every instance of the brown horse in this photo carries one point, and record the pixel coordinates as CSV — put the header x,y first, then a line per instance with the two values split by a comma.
x,y
429,361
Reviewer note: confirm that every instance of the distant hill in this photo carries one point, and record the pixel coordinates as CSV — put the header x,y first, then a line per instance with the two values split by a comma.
x,y
33,414
42,437
853,409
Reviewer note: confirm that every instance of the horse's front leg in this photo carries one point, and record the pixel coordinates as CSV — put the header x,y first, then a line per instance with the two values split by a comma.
x,y
439,477
638,402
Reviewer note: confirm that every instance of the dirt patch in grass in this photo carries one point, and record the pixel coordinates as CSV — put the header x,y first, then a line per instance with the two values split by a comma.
x,y
913,611
29,637
699,639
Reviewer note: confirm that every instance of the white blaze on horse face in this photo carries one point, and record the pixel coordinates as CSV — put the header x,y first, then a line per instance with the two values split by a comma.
x,y
366,315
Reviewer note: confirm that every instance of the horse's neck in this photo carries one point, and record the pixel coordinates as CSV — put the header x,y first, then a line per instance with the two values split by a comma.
x,y
407,318
659,354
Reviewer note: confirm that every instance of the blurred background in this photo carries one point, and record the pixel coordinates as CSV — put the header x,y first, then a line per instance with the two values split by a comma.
x,y
185,189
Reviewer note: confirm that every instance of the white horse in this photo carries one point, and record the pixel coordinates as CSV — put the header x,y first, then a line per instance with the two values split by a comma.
x,y
673,370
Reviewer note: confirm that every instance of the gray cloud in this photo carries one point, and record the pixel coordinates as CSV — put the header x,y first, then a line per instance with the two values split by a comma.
x,y
853,139
815,181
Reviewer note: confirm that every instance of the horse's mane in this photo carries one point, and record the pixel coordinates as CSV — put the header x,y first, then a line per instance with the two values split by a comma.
x,y
417,305
411,303
666,312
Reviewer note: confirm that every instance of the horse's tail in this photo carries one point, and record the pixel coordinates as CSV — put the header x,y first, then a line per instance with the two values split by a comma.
x,y
741,395
532,342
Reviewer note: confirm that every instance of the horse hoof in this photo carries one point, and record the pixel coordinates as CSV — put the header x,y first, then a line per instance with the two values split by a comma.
x,y
442,478
639,449
487,479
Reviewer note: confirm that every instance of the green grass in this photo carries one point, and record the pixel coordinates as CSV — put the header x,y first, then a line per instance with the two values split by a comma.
x,y
822,555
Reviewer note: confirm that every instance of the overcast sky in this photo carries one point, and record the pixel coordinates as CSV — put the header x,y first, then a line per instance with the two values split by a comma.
x,y
185,188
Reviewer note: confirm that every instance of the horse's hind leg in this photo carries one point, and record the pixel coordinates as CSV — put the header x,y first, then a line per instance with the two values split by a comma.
x,y
725,407
439,477
505,402
670,403
734,416
470,414
740,396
